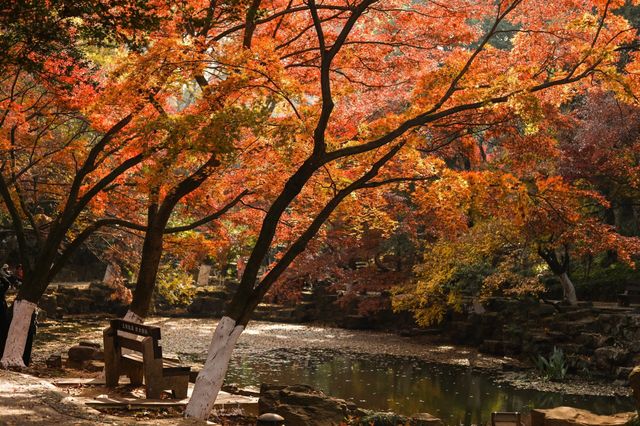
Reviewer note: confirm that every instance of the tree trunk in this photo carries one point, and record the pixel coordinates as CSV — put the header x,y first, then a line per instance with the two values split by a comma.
x,y
17,336
209,381
568,289
148,272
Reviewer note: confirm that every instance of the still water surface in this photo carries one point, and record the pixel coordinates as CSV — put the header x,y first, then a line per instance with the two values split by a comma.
x,y
458,395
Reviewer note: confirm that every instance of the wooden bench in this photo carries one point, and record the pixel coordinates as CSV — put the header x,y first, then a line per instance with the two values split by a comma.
x,y
631,294
505,419
145,362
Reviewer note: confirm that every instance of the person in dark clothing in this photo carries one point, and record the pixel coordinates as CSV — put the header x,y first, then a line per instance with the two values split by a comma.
x,y
5,284
5,281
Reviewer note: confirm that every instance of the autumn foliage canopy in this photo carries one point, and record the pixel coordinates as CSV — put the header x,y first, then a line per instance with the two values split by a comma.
x,y
427,140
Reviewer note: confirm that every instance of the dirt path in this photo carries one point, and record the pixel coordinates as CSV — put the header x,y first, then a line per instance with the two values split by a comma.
x,y
29,400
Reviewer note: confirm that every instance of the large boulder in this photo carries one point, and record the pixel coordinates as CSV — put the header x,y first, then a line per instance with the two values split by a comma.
x,y
634,383
301,405
569,416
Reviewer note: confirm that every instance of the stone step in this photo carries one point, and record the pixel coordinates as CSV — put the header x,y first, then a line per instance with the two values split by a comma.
x,y
576,314
492,347
572,348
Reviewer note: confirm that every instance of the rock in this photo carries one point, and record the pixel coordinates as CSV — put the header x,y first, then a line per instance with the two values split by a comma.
x,y
608,357
544,310
568,416
99,353
93,366
425,419
622,373
90,344
82,353
48,304
270,419
492,347
301,405
589,340
76,365
234,389
634,384
54,361
382,419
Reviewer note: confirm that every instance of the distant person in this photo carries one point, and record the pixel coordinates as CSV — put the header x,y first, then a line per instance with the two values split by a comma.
x,y
5,284
7,275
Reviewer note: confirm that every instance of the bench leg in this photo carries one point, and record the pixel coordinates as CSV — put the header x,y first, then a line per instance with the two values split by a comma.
x,y
153,391
111,359
180,387
135,375
153,377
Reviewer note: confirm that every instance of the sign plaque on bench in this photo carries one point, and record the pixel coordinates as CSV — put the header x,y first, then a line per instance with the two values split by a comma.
x,y
143,361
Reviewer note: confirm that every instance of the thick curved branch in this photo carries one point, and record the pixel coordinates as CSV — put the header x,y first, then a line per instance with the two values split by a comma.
x,y
17,223
299,245
114,222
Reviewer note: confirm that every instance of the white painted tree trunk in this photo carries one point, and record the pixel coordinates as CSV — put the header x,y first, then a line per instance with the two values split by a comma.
x,y
203,275
18,331
568,289
209,380
477,307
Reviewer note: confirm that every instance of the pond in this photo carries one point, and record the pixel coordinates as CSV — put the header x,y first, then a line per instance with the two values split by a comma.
x,y
379,371
458,395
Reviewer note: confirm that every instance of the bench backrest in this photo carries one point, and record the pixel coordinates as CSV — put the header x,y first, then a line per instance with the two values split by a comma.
x,y
126,340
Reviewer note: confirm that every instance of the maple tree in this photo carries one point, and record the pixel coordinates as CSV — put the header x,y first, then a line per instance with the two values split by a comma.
x,y
65,138
365,100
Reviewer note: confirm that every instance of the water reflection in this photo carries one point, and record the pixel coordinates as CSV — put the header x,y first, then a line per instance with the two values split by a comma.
x,y
458,395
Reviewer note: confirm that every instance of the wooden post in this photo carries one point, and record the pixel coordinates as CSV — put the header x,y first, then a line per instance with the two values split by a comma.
x,y
152,369
111,358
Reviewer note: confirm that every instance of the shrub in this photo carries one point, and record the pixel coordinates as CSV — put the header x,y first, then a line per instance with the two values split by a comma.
x,y
554,367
